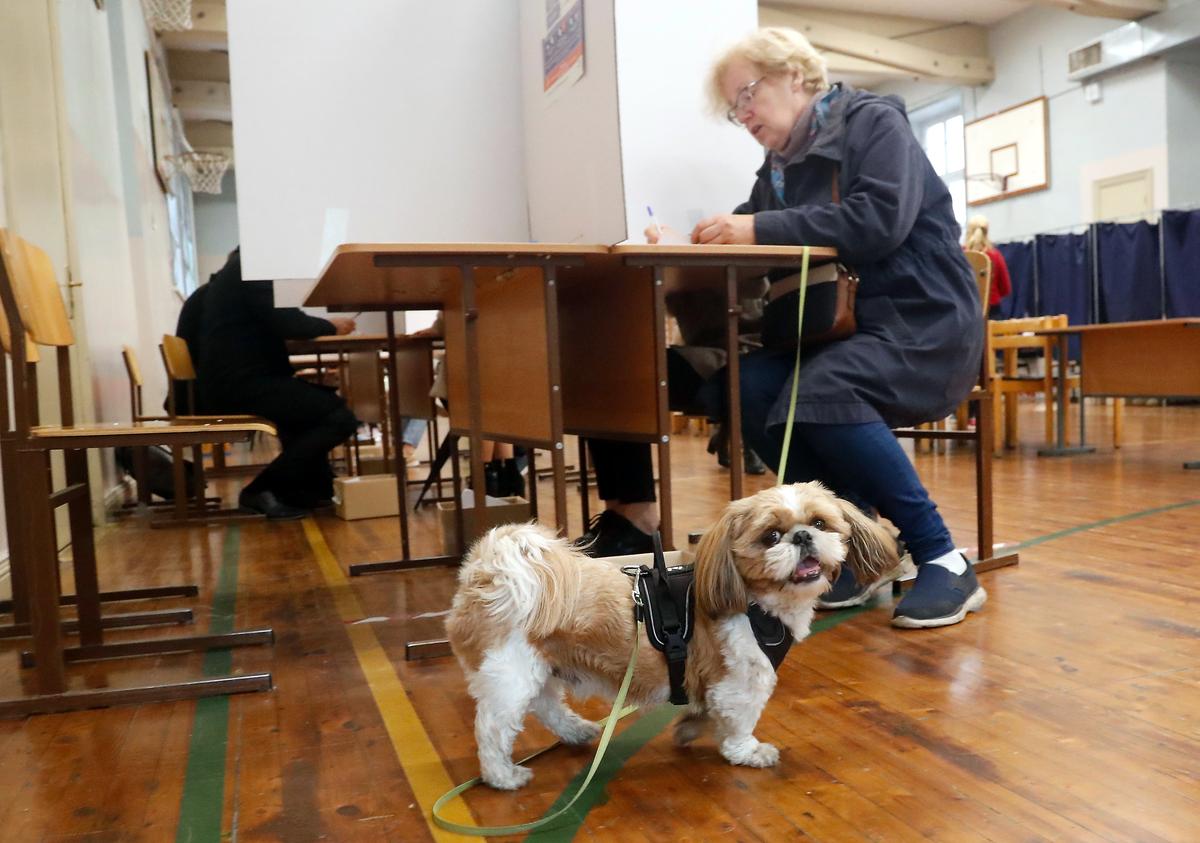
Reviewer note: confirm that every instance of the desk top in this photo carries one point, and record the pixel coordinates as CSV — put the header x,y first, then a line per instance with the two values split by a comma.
x,y
372,276
352,342
1185,322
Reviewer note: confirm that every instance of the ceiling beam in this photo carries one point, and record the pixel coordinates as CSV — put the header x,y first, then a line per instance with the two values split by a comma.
x,y
1118,9
908,59
197,66
202,100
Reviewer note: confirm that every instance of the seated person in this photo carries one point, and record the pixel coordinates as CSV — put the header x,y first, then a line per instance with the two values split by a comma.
x,y
919,339
243,367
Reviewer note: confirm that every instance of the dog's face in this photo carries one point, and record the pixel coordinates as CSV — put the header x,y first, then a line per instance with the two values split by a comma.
x,y
786,539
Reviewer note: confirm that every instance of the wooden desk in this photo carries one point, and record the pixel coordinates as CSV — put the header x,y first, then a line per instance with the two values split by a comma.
x,y
1153,359
719,268
500,306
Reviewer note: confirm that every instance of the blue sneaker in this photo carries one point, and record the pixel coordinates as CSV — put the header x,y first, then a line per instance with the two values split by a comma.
x,y
939,598
847,591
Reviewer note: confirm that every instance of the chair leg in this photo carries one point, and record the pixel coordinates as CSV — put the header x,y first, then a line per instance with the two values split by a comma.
x,y
35,518
1118,421
83,551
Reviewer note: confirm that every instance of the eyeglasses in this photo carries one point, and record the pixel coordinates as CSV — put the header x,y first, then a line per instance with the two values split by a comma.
x,y
741,102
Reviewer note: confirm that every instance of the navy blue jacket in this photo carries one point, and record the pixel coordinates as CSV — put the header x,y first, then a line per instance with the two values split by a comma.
x,y
917,351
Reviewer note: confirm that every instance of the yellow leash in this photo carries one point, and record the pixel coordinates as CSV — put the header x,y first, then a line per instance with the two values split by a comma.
x,y
501,830
787,433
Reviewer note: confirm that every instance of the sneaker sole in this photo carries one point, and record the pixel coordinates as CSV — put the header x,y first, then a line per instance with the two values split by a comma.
x,y
890,577
972,604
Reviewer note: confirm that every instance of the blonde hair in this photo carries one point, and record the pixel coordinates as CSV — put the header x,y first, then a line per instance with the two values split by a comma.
x,y
977,234
772,49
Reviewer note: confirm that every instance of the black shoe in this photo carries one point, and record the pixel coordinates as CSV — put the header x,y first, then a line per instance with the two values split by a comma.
x,y
610,534
491,479
752,463
512,484
847,591
267,504
939,597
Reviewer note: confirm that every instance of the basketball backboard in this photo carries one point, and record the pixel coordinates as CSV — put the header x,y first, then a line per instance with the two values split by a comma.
x,y
1006,153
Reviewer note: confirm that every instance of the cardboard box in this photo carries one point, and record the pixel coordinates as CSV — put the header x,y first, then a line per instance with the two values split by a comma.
x,y
510,511
365,496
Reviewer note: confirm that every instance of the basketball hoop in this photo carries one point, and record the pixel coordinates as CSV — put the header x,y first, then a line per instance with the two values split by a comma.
x,y
204,170
168,15
997,182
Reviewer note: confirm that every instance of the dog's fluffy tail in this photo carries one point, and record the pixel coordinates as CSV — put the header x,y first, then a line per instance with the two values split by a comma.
x,y
524,576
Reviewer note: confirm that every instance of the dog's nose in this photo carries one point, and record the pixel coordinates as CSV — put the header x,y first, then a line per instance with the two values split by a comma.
x,y
801,537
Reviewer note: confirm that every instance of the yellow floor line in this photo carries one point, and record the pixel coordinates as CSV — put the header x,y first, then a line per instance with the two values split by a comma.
x,y
420,761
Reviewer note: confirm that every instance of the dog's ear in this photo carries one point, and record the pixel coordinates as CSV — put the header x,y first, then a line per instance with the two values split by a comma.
x,y
871,550
720,590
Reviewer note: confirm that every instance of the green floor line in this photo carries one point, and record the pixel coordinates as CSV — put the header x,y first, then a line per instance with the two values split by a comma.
x,y
1104,522
203,801
651,724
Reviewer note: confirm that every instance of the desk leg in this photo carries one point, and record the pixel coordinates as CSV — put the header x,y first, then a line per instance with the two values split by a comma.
x,y
734,395
558,456
1060,448
405,562
666,521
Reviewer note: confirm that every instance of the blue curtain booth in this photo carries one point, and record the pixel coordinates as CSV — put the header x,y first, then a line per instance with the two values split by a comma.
x,y
1064,274
1022,301
1181,256
1130,284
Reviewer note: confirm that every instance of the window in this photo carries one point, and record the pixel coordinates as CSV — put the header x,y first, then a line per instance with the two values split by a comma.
x,y
939,128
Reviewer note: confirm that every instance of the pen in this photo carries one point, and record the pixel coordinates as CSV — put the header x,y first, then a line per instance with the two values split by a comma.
x,y
657,227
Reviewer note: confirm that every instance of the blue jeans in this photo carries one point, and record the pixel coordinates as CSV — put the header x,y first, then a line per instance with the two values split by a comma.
x,y
863,463
413,430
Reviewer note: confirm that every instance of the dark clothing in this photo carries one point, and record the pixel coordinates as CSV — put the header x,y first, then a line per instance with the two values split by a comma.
x,y
311,420
245,334
916,352
189,328
243,367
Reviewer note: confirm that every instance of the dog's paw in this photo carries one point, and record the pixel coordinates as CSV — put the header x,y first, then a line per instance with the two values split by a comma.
x,y
751,753
508,778
687,730
581,732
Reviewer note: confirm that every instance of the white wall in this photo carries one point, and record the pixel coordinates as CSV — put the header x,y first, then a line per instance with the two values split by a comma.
x,y
1183,129
1125,131
676,156
402,118
572,140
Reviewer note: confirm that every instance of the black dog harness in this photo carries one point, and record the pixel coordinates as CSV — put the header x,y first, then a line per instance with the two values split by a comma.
x,y
664,601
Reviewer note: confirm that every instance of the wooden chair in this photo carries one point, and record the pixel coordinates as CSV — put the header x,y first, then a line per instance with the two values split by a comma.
x,y
981,265
34,309
177,360
1009,337
983,435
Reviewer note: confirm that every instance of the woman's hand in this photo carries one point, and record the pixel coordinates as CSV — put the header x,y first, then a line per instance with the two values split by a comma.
x,y
737,229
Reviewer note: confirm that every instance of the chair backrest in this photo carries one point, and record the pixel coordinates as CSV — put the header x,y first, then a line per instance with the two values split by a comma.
x,y
47,312
132,369
982,265
14,262
177,358
1017,333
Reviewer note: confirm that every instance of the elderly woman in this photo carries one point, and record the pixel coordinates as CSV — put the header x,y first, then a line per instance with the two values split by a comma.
x,y
916,352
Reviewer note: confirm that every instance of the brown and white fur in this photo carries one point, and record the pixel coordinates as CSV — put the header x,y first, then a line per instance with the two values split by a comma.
x,y
533,617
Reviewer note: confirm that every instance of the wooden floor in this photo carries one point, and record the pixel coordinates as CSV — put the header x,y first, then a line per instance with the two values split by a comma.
x,y
1068,710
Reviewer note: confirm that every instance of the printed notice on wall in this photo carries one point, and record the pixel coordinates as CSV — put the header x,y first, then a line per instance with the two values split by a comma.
x,y
562,45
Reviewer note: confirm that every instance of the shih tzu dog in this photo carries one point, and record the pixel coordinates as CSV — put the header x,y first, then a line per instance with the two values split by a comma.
x,y
533,618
